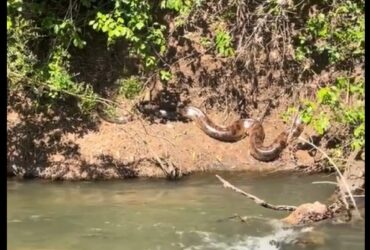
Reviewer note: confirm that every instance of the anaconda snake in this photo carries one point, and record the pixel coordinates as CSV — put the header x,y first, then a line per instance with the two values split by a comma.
x,y
232,133
241,128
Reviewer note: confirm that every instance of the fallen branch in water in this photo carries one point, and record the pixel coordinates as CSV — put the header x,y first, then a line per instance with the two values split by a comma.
x,y
257,200
341,179
325,182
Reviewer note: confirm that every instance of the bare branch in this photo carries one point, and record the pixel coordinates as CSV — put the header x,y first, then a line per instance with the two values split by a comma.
x,y
325,182
255,198
341,178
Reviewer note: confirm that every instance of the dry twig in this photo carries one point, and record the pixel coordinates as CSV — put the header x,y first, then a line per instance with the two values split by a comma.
x,y
255,198
341,178
325,182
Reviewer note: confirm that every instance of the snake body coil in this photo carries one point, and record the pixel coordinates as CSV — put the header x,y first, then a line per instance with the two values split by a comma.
x,y
240,128
232,133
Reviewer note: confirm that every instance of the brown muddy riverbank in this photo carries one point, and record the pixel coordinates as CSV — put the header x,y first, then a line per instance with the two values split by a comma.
x,y
63,146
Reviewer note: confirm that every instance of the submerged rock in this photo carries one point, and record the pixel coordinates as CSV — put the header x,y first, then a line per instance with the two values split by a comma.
x,y
308,213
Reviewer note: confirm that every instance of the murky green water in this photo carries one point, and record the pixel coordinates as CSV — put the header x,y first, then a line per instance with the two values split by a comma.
x,y
159,214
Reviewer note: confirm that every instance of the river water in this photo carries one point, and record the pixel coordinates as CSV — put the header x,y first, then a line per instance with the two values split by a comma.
x,y
158,214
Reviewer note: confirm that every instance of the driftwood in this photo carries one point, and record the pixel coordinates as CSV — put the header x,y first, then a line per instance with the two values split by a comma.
x,y
257,200
301,215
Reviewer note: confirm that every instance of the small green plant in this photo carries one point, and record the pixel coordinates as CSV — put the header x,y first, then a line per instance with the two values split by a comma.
x,y
321,122
286,116
165,75
205,42
308,111
176,5
110,110
223,41
64,31
129,87
182,7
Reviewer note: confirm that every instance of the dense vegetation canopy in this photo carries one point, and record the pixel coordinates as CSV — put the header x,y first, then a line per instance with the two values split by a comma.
x,y
299,39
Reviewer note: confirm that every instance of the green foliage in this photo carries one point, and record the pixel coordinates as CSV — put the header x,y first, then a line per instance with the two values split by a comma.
x,y
338,31
289,113
132,20
61,24
60,82
359,136
64,31
165,75
275,7
335,30
129,87
14,6
182,7
223,41
321,123
50,78
20,59
176,5
205,42
340,104
308,111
